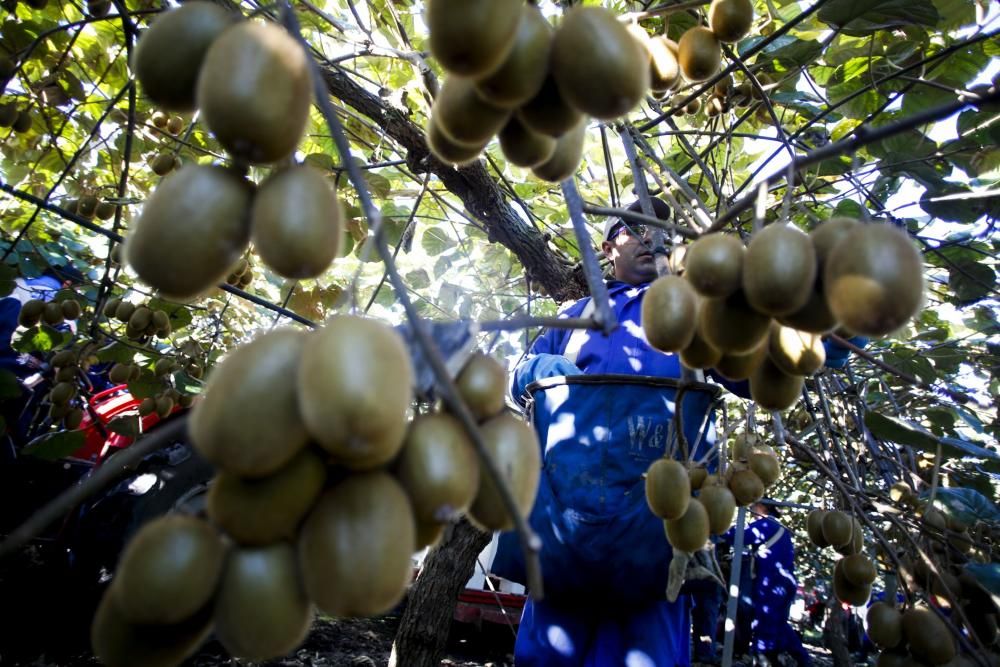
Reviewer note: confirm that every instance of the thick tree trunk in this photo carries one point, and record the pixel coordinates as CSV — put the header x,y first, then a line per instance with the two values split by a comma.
x,y
423,631
834,634
473,185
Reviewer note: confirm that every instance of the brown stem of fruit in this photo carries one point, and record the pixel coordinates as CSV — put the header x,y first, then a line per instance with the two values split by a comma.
x,y
530,544
105,475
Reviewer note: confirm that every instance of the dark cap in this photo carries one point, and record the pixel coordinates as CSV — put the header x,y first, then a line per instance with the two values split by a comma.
x,y
660,209
65,272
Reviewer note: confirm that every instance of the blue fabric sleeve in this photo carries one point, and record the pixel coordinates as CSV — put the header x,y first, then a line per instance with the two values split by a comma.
x,y
837,354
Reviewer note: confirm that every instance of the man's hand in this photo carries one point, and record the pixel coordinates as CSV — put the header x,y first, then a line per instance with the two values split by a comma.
x,y
539,367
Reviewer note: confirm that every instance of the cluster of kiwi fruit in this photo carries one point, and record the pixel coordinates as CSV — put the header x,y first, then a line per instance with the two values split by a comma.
x,y
166,160
760,312
173,124
323,492
200,219
91,206
695,504
141,321
242,274
63,401
164,402
855,573
722,97
510,73
17,119
52,313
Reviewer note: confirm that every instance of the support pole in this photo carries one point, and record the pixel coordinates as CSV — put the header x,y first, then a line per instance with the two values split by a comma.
x,y
734,588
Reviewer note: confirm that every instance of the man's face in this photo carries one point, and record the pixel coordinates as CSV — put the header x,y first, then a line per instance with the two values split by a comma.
x,y
631,253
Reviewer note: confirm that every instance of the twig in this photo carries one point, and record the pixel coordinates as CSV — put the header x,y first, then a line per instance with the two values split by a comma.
x,y
107,473
530,543
526,321
591,269
862,137
635,216
661,10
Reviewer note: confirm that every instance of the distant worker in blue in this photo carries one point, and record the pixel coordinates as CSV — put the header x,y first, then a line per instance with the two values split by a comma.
x,y
604,407
767,590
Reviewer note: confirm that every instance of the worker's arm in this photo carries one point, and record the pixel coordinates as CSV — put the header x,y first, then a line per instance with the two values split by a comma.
x,y
545,358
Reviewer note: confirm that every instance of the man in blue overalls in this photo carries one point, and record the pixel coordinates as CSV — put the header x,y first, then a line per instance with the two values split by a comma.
x,y
603,407
767,590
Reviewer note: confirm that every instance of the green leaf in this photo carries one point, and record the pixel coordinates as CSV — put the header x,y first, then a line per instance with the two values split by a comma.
x,y
180,315
904,433
116,353
435,241
860,17
55,446
10,387
39,339
186,384
849,208
971,281
127,425
418,279
7,275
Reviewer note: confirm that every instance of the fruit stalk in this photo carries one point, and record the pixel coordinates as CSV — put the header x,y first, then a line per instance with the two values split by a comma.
x,y
530,543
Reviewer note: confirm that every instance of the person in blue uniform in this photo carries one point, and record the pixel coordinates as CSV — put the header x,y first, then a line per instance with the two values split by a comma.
x,y
604,557
767,590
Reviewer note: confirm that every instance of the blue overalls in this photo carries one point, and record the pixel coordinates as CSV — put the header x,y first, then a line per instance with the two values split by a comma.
x,y
767,591
604,555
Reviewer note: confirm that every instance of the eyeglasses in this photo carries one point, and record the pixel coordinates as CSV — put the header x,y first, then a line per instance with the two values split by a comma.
x,y
638,230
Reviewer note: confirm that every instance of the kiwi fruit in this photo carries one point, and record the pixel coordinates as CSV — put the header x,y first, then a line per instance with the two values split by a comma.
x,y
697,477
23,122
118,642
198,202
124,311
720,503
737,367
428,533
296,222
927,635
815,316
795,352
743,446
472,37
241,64
731,325
448,151
355,546
873,280
482,384
261,611
698,353
62,392
164,406
354,390
746,486
147,406
169,570
699,54
884,625
566,157
859,570
669,314
779,270
714,265
175,124
33,309
690,532
827,235
8,114
601,69
105,210
168,57
73,419
893,659
668,488
838,528
765,465
71,309
438,468
159,119
119,373
256,512
548,113
664,68
523,71
262,374
514,449
52,314
163,164
847,592
773,388
63,357
87,206
140,318
730,20
67,374
692,107
814,526
161,320
463,116
524,147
